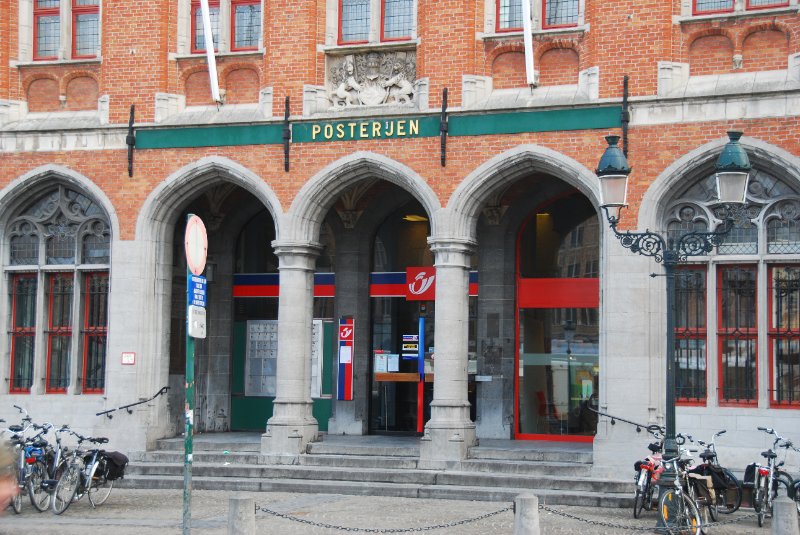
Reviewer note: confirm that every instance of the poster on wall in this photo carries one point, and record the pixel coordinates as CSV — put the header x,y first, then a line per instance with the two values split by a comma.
x,y
316,358
344,388
261,358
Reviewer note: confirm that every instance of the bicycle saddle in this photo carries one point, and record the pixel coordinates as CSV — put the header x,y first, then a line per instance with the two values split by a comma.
x,y
769,454
707,455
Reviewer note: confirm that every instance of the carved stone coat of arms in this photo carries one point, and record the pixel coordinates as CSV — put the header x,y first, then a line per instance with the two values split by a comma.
x,y
372,79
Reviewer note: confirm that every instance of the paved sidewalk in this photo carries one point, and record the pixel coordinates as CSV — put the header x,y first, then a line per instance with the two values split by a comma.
x,y
151,512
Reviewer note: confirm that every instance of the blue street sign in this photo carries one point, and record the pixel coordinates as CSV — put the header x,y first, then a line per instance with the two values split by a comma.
x,y
197,290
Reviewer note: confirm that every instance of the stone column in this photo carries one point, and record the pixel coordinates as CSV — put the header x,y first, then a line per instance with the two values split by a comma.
x,y
292,425
450,432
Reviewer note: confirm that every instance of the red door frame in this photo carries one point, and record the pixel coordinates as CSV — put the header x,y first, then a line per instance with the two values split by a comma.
x,y
547,293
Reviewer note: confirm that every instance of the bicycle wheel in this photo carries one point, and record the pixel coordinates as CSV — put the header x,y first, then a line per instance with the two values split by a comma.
x,y
39,497
679,514
797,495
66,488
760,499
729,499
639,498
100,489
16,502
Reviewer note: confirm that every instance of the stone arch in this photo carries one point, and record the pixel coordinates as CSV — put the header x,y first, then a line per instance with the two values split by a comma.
x,y
159,212
66,79
508,70
559,66
501,49
700,162
30,185
312,202
466,202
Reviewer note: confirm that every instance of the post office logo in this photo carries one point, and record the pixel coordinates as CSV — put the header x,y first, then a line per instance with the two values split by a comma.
x,y
420,283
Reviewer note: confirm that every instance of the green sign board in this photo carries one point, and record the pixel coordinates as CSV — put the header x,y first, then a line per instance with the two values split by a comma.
x,y
459,124
400,127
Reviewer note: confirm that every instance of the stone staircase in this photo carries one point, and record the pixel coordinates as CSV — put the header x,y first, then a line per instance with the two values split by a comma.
x,y
560,474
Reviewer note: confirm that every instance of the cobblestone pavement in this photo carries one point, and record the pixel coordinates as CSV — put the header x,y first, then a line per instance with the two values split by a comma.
x,y
151,512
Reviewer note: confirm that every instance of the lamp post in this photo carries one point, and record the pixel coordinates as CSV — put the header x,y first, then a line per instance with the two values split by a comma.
x,y
732,171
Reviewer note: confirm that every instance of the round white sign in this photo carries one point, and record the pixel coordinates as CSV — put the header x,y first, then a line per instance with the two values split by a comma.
x,y
195,242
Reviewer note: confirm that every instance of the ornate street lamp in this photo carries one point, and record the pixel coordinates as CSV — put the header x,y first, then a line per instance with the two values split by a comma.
x,y
732,172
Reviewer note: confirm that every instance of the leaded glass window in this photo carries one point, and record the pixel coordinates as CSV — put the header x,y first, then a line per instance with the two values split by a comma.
x,y
52,242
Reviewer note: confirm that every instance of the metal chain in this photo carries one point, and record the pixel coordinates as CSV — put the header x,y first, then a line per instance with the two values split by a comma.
x,y
639,528
386,530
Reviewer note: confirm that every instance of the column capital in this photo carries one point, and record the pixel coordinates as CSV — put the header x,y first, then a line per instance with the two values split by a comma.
x,y
296,254
452,251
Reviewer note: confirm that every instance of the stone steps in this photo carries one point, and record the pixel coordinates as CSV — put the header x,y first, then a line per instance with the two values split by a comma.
x,y
558,474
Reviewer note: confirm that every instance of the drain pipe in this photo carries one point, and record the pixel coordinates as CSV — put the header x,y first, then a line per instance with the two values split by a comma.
x,y
526,515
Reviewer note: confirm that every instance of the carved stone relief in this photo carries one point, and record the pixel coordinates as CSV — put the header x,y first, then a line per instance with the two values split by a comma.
x,y
372,79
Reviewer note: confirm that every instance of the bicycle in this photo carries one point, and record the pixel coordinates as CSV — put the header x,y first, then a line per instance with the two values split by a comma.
x,y
727,488
85,474
648,471
677,509
768,479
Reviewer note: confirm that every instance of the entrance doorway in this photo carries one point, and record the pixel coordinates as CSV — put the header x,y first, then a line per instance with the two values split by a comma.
x,y
557,361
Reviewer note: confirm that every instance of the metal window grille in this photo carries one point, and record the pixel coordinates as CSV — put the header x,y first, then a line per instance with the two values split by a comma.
x,y
398,18
785,335
783,236
59,332
61,249
509,14
97,248
354,20
23,331
690,335
24,250
246,24
737,334
712,6
198,39
94,332
560,13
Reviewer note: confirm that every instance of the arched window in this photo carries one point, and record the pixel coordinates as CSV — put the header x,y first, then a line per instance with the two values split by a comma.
x,y
59,254
726,316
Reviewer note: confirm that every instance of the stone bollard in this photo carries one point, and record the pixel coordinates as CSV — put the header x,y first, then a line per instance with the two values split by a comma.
x,y
784,517
241,516
526,515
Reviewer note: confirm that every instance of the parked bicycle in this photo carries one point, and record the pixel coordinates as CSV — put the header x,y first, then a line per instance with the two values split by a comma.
x,y
769,481
85,474
648,471
677,506
31,468
727,488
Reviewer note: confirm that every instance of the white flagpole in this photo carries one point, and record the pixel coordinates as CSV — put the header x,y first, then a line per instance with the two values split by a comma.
x,y
528,38
212,61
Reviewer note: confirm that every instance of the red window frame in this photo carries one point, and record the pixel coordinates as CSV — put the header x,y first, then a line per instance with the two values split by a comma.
x,y
195,6
723,333
688,332
768,6
235,3
696,11
17,331
42,12
91,331
56,331
772,335
341,41
82,10
546,26
497,27
385,39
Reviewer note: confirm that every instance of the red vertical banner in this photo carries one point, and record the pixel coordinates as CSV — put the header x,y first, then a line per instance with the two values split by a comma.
x,y
345,380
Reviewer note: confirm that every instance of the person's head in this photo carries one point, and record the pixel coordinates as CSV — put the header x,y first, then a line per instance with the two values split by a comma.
x,y
8,480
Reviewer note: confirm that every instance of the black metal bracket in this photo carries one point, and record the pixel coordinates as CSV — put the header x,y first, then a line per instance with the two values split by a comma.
x,y
626,115
443,127
127,407
130,140
287,135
